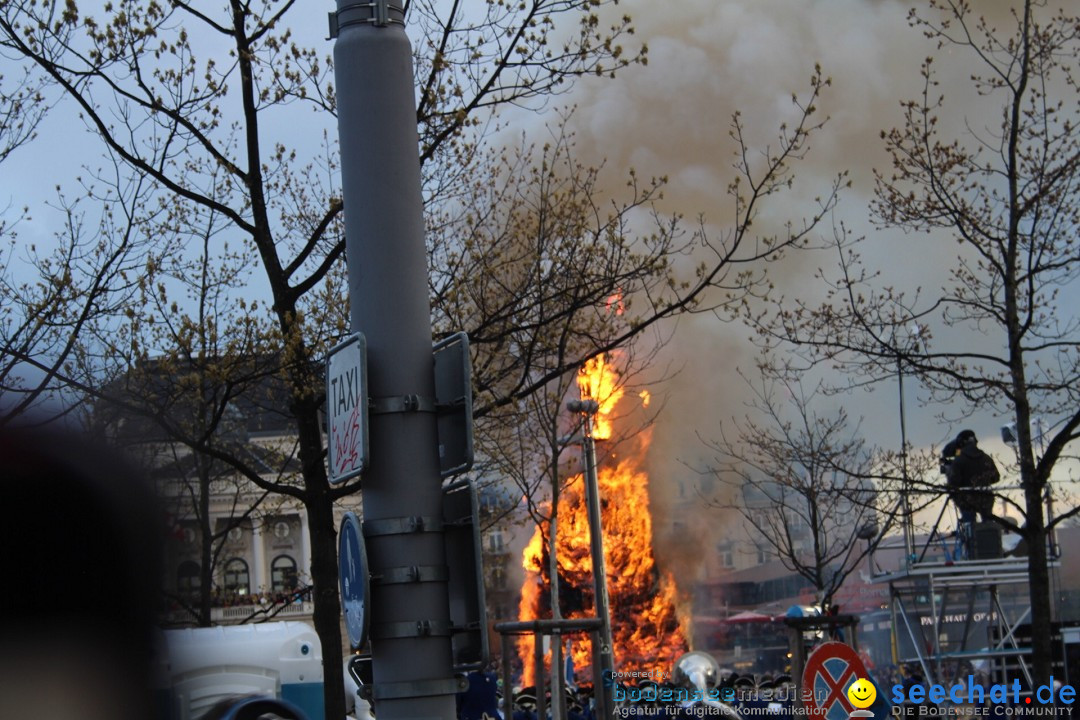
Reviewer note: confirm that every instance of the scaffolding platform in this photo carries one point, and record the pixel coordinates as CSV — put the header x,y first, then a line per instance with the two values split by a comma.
x,y
999,571
957,617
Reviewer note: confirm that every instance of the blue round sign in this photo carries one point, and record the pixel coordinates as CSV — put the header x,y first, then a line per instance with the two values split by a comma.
x,y
355,585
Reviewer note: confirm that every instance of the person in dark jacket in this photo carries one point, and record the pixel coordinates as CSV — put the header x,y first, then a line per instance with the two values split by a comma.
x,y
971,473
974,470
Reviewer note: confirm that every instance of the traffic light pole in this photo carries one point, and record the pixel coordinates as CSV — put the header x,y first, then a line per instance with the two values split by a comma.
x,y
388,293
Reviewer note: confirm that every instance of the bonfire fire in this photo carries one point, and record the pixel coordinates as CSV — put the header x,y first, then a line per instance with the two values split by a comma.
x,y
645,628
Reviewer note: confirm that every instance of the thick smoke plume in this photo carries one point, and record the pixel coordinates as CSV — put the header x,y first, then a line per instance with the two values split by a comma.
x,y
706,60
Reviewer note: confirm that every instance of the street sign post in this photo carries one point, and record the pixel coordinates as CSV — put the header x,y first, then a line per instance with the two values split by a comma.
x,y
830,669
464,562
389,302
453,398
346,408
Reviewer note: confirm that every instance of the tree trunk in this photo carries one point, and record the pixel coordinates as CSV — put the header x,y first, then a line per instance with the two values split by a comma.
x,y
1042,651
206,546
318,502
553,540
324,575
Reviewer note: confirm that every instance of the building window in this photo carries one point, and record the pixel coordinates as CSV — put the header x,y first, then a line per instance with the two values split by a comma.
x,y
795,522
726,555
283,574
762,555
236,577
495,541
188,577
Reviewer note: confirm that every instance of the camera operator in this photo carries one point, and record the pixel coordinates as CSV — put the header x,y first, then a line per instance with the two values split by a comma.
x,y
970,473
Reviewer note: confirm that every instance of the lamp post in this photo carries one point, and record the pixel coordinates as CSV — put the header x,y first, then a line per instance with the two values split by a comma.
x,y
909,526
603,659
909,534
387,263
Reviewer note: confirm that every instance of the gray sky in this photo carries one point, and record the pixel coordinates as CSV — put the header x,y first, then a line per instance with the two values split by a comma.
x,y
707,58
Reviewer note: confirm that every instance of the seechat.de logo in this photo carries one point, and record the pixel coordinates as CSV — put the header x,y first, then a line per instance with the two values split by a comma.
x,y
972,693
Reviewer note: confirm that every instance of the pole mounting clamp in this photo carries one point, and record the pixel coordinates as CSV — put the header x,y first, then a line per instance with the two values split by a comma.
x,y
410,629
402,526
401,404
419,688
379,13
410,574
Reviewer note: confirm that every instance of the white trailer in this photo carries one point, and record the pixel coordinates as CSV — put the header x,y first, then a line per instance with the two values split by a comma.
x,y
275,659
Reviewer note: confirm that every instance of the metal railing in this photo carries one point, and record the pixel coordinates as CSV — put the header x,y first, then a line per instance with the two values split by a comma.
x,y
237,614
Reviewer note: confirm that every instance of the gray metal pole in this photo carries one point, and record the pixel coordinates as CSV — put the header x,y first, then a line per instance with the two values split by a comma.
x,y
558,681
598,675
508,678
602,695
388,291
538,674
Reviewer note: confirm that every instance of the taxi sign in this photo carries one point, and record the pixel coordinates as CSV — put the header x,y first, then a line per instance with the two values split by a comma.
x,y
346,408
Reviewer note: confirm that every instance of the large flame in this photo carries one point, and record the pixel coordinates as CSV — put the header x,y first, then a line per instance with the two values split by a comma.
x,y
645,628
599,381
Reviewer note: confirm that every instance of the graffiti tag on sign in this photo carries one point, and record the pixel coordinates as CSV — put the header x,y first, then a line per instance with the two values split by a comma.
x,y
347,455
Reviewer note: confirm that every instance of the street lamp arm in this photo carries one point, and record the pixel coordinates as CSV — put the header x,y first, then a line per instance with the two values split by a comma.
x,y
588,407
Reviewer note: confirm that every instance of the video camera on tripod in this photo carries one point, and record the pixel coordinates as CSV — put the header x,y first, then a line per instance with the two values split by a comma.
x,y
948,455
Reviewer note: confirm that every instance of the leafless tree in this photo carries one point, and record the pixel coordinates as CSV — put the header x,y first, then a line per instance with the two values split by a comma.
x,y
1002,334
192,126
803,482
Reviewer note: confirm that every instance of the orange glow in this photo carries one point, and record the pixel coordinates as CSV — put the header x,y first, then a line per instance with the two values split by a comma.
x,y
599,381
645,398
645,627
615,303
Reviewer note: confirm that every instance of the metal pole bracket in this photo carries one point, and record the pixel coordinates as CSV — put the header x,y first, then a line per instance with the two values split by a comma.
x,y
410,629
379,13
402,526
420,688
411,574
402,404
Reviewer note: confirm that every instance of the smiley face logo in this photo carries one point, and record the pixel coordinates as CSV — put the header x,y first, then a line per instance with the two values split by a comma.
x,y
862,693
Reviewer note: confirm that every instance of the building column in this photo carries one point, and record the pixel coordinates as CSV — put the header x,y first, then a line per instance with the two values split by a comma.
x,y
259,553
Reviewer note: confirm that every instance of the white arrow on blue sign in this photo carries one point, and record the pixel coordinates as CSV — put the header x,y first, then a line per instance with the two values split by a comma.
x,y
355,582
